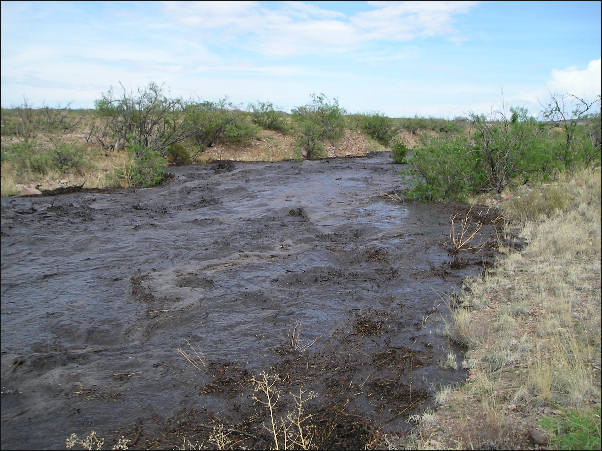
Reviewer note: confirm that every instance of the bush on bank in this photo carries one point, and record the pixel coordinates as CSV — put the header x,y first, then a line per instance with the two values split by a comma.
x,y
499,150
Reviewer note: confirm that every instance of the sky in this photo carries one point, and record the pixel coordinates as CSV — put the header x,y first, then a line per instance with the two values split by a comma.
x,y
401,59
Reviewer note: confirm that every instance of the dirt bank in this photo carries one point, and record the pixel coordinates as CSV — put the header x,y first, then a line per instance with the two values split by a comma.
x,y
306,270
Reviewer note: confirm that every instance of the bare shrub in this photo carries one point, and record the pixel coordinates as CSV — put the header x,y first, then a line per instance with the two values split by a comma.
x,y
148,118
291,430
459,240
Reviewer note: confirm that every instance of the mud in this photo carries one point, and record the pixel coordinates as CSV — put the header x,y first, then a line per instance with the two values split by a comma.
x,y
147,313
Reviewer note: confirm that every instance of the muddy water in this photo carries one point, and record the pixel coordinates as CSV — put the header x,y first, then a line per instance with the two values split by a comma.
x,y
306,270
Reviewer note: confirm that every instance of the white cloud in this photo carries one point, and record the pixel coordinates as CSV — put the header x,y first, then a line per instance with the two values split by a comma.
x,y
581,82
306,10
212,15
290,28
404,21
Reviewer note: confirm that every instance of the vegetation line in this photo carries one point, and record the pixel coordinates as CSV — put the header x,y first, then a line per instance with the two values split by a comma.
x,y
531,327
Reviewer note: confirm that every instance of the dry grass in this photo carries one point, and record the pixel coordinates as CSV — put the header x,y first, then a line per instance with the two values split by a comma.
x,y
8,185
531,325
274,146
102,163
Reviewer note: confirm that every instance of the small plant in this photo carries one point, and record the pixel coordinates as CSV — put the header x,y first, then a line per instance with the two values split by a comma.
x,y
573,429
212,122
460,240
92,441
290,431
450,361
195,357
295,342
145,168
399,153
69,158
317,122
377,126
264,115
178,155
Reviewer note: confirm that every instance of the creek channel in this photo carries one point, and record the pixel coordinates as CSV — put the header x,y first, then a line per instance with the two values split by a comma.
x,y
148,312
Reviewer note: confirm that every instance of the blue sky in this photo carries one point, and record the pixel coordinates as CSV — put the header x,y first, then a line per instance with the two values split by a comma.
x,y
439,59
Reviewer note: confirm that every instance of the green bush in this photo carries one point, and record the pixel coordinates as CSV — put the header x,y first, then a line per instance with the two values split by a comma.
x,y
317,122
145,168
178,155
70,158
309,143
500,150
573,429
213,122
239,130
446,168
264,115
399,152
28,158
377,126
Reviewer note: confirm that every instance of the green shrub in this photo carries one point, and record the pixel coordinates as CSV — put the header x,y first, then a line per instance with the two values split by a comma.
x,y
145,168
377,126
317,122
399,152
573,116
264,115
178,155
70,158
573,429
309,143
239,130
501,150
213,122
445,166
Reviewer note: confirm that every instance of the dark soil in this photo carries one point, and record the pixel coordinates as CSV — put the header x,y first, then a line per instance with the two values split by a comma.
x,y
147,313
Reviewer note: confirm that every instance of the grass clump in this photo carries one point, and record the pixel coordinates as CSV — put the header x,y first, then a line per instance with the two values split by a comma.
x,y
144,168
573,429
529,205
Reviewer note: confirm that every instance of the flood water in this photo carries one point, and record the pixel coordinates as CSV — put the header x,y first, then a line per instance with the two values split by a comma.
x,y
306,270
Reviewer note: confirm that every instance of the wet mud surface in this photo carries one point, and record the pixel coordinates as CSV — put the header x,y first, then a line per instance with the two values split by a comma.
x,y
148,313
